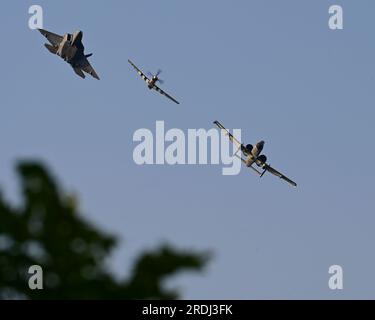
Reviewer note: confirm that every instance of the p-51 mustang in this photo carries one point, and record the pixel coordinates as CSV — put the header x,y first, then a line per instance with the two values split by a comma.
x,y
70,48
253,156
151,82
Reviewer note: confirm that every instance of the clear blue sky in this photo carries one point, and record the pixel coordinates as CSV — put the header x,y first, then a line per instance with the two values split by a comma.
x,y
273,69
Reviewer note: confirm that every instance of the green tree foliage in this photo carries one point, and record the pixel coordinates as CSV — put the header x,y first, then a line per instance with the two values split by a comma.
x,y
47,230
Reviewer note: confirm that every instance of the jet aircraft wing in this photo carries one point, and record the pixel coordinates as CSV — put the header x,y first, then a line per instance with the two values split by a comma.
x,y
86,66
53,38
267,167
231,137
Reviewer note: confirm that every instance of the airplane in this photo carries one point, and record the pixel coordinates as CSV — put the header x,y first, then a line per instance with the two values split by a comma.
x,y
151,82
70,48
253,156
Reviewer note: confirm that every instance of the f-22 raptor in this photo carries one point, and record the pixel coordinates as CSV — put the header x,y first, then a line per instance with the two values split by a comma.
x,y
70,48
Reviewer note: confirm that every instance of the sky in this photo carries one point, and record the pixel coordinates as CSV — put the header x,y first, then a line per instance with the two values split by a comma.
x,y
271,68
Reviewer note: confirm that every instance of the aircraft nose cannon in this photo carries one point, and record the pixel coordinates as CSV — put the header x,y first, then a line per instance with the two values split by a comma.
x,y
262,158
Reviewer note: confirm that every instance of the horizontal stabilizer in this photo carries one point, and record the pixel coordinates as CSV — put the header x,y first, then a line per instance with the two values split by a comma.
x,y
50,48
79,72
88,55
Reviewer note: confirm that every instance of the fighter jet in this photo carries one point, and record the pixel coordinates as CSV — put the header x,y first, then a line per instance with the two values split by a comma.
x,y
70,48
151,82
253,156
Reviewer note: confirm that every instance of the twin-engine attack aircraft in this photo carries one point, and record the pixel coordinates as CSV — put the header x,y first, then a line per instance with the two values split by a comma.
x,y
253,155
70,48
151,82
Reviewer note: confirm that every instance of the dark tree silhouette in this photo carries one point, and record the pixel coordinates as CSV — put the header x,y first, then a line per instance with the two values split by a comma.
x,y
47,230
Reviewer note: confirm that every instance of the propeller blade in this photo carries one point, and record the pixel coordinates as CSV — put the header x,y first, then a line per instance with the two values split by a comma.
x,y
159,72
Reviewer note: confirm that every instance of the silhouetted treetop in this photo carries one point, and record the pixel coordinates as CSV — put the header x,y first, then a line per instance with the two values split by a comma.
x,y
48,230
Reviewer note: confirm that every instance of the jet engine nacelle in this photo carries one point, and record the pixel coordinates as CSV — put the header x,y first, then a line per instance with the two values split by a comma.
x,y
263,159
249,148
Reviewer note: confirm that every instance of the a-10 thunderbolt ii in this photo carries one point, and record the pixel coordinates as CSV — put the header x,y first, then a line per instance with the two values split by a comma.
x,y
70,48
253,156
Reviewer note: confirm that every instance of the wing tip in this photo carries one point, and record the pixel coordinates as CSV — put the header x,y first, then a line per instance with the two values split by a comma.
x,y
292,183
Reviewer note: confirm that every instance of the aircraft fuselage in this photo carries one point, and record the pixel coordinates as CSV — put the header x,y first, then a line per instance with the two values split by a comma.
x,y
70,49
254,153
152,82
